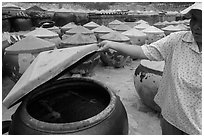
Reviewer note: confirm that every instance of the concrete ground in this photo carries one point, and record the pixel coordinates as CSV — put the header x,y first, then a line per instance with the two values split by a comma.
x,y
141,119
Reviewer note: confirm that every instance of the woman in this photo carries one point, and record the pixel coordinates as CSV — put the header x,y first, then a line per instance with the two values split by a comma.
x,y
180,93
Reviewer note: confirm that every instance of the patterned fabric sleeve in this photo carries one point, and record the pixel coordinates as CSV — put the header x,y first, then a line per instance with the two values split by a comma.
x,y
161,49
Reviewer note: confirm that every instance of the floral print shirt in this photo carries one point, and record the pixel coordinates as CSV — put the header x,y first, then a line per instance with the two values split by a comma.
x,y
180,92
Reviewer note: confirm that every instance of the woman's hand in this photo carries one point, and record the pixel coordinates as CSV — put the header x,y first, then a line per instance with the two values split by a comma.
x,y
105,45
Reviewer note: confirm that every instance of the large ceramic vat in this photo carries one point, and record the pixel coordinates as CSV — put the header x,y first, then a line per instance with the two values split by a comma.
x,y
147,78
74,106
6,25
22,24
52,104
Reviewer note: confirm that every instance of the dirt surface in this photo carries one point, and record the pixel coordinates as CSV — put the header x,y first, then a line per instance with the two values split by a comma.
x,y
141,119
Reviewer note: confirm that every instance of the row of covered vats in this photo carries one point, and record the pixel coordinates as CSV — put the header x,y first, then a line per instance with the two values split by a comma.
x,y
23,47
69,35
29,44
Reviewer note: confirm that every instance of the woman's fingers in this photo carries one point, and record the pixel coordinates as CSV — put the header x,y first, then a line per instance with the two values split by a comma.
x,y
103,46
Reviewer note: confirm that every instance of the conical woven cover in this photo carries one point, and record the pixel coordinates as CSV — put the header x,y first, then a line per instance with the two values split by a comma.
x,y
91,24
80,39
153,30
30,44
122,27
42,33
115,36
102,29
69,26
115,22
134,32
79,29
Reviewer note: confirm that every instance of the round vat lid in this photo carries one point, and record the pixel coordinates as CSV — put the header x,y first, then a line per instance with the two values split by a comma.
x,y
134,32
80,39
79,29
102,29
155,65
42,33
153,30
121,27
115,22
115,36
91,24
48,65
30,44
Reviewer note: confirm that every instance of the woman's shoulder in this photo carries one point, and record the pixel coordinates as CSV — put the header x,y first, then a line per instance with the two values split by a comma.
x,y
179,34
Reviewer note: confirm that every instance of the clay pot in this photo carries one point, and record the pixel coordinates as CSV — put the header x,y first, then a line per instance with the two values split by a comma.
x,y
6,25
5,44
22,24
147,78
74,106
20,55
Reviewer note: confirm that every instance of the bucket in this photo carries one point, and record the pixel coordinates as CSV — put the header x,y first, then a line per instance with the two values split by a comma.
x,y
75,106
